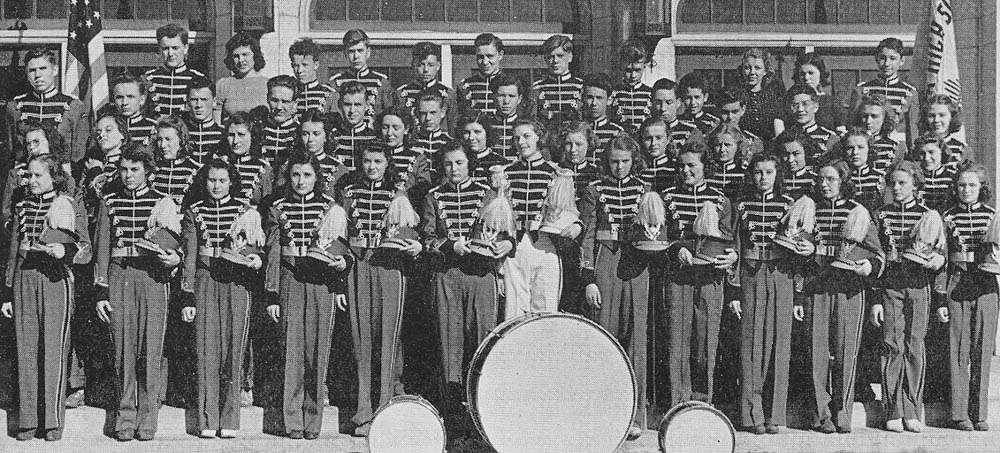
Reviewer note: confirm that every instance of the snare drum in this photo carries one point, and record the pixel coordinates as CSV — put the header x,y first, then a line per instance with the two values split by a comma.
x,y
695,426
551,382
407,423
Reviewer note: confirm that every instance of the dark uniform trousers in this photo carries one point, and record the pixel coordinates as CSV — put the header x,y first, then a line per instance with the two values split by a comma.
x,y
138,324
694,310
766,332
376,288
972,307
906,295
623,279
43,307
836,314
308,307
468,303
222,322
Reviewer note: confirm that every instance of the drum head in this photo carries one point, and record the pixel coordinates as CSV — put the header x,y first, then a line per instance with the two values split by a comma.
x,y
696,427
554,382
407,423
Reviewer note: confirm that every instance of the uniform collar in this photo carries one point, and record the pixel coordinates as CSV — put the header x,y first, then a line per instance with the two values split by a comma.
x,y
142,190
311,85
581,166
181,68
890,81
971,207
603,120
51,93
565,77
47,195
361,73
462,185
223,200
358,128
538,160
661,161
811,127
307,197
695,189
484,153
906,204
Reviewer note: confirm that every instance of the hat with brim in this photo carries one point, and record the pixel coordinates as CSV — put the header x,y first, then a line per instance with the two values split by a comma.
x,y
159,241
707,250
57,236
917,256
641,241
489,249
557,225
328,254
401,239
849,255
791,242
990,264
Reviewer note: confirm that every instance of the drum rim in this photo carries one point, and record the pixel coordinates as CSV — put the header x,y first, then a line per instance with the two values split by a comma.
x,y
421,401
512,324
693,404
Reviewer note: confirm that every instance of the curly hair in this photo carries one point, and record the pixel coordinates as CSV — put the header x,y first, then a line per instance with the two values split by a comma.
x,y
941,99
780,166
55,166
985,194
245,40
743,144
256,135
300,157
707,159
57,144
142,154
175,123
623,142
888,113
451,147
796,135
843,171
576,127
200,183
811,59
906,166
481,118
928,138
317,116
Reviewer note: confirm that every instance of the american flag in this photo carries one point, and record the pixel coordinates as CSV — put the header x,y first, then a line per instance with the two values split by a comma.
x,y
86,72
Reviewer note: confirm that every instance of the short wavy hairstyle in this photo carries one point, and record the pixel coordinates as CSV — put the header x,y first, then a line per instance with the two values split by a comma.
x,y
244,40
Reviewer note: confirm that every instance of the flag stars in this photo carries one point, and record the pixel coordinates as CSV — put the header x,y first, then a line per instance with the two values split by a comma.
x,y
90,23
97,15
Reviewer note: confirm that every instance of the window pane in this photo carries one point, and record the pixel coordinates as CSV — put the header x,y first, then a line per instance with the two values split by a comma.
x,y
363,10
696,12
760,12
462,10
911,11
825,12
494,10
16,9
843,81
885,12
726,12
527,11
791,11
193,10
154,9
557,11
49,10
853,12
330,9
429,10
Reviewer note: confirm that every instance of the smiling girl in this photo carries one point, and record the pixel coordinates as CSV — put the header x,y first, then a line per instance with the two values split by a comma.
x,y
942,117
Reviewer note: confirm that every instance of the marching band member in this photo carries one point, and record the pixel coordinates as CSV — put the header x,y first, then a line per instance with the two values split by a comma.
x,y
304,291
616,274
971,310
847,252
378,212
222,238
765,306
49,235
133,288
465,284
477,134
701,221
174,167
242,148
912,236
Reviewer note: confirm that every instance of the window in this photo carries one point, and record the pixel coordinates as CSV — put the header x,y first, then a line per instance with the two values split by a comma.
x,y
831,12
554,12
191,10
33,9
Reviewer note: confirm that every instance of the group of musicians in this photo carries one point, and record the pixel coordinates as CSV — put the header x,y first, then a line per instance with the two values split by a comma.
x,y
289,199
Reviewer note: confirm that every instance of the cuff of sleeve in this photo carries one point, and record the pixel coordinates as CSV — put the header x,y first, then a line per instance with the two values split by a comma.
x,y
101,292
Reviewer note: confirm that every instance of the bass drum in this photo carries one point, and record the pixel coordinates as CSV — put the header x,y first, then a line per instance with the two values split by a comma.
x,y
696,427
407,423
551,382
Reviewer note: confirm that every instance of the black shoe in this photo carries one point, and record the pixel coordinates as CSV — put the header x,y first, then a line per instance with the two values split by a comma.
x,y
844,429
125,435
295,434
756,429
53,435
982,426
826,427
145,435
771,428
27,434
963,425
309,435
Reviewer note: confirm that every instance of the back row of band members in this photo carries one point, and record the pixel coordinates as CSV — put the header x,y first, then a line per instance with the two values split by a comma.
x,y
610,104
679,248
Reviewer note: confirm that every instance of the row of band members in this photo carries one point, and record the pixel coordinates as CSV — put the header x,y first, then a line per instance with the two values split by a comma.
x,y
610,104
139,190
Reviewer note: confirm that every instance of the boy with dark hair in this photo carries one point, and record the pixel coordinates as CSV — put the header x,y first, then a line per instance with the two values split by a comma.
x,y
475,93
633,100
353,132
45,104
804,103
508,92
169,82
694,92
901,95
731,110
277,119
429,139
427,68
379,92
596,94
205,133
665,105
558,94
313,95
129,94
